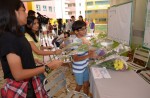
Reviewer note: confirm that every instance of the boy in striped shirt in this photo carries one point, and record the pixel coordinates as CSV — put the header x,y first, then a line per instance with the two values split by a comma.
x,y
81,59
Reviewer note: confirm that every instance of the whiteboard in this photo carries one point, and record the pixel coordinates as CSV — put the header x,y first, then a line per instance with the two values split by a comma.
x,y
146,42
119,23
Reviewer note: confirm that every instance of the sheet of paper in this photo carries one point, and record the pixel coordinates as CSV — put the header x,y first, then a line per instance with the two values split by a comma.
x,y
104,72
96,73
99,73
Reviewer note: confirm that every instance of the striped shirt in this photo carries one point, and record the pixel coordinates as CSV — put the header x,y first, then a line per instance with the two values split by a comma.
x,y
79,66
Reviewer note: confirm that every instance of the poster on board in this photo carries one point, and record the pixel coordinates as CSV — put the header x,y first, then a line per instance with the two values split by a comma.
x,y
119,23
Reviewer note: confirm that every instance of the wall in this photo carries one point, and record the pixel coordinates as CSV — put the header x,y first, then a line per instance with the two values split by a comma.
x,y
139,22
97,12
80,8
47,4
139,15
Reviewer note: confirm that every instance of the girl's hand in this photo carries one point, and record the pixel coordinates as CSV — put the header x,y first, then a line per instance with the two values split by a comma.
x,y
57,52
49,47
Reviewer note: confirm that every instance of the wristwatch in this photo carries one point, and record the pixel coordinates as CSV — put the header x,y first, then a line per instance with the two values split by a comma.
x,y
47,69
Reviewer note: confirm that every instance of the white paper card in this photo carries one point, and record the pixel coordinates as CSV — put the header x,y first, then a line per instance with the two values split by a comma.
x,y
105,73
99,73
96,73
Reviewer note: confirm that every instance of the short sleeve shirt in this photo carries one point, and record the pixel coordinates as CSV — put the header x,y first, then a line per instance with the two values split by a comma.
x,y
79,66
18,45
30,39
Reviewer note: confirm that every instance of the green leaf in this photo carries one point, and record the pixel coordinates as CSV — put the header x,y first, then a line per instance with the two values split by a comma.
x,y
97,45
108,64
83,47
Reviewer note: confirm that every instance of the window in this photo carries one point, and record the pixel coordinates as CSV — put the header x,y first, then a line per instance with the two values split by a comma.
x,y
66,5
44,8
38,8
50,8
69,13
66,13
89,3
101,11
102,19
74,4
69,5
54,9
101,2
88,12
79,4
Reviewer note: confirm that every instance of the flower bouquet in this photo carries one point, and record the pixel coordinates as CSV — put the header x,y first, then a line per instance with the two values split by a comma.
x,y
102,35
81,48
99,37
65,58
114,64
69,46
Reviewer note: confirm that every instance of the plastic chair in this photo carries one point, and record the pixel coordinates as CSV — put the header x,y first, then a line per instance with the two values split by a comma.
x,y
56,82
145,75
140,59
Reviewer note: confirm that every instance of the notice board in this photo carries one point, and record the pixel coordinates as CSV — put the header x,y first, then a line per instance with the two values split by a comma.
x,y
119,23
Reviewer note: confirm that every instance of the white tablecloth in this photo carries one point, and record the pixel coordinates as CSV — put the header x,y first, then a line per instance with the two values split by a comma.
x,y
122,84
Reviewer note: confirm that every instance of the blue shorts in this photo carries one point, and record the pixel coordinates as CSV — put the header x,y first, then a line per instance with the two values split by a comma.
x,y
82,77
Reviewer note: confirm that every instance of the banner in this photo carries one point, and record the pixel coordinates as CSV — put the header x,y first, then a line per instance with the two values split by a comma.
x,y
119,23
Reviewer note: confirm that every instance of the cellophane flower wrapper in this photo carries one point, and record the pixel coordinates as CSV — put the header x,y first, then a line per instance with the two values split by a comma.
x,y
117,64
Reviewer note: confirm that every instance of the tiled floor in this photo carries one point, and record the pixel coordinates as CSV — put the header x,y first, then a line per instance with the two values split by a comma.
x,y
70,82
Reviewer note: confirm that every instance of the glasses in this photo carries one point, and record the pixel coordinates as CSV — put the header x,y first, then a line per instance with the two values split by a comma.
x,y
83,29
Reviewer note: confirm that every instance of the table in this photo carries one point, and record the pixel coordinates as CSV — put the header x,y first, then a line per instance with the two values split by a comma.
x,y
122,84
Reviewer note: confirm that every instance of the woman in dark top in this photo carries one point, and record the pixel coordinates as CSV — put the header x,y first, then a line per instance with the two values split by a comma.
x,y
60,26
80,18
55,27
16,55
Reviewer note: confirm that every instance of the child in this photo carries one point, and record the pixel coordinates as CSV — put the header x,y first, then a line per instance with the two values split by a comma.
x,y
80,60
66,40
